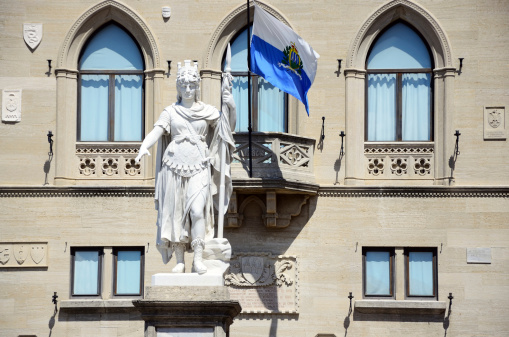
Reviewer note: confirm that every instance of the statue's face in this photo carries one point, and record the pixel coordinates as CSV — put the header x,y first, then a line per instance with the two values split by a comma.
x,y
187,89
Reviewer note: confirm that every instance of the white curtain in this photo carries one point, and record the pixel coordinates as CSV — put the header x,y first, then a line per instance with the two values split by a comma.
x,y
128,272
420,273
416,104
86,272
128,107
94,107
381,107
378,280
271,108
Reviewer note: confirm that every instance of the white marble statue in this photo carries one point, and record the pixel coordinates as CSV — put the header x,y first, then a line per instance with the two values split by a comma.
x,y
190,135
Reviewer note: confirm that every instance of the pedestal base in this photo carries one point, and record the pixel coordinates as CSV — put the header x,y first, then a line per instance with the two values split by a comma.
x,y
187,311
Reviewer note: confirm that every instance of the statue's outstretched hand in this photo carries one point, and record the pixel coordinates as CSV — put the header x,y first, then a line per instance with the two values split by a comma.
x,y
143,151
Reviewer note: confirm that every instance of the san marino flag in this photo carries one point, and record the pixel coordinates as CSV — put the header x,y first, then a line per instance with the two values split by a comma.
x,y
281,56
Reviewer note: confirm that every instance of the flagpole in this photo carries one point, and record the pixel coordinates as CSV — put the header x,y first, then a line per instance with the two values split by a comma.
x,y
249,128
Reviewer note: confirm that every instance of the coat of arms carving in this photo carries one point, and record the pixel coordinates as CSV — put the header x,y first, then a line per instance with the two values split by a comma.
x,y
37,252
32,34
5,254
252,268
20,253
494,119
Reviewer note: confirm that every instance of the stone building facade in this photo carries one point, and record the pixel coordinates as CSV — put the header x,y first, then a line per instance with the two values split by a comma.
x,y
318,208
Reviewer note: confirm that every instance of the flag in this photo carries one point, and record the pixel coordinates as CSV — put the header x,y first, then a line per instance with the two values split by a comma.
x,y
281,56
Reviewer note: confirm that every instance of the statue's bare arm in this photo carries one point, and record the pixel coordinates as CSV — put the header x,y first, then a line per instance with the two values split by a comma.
x,y
149,141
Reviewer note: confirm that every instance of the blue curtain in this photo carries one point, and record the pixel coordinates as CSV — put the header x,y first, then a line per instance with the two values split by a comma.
x,y
378,280
420,273
94,107
128,272
241,101
128,107
271,108
381,107
416,96
86,272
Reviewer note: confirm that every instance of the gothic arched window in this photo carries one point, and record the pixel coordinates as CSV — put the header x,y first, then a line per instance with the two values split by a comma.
x,y
110,105
398,90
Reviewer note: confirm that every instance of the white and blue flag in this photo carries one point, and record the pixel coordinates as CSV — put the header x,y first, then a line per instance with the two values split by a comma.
x,y
281,56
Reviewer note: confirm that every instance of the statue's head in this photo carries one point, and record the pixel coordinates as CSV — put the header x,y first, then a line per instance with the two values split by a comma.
x,y
188,81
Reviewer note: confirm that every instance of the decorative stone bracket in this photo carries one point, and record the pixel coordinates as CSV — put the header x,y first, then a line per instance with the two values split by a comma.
x,y
240,204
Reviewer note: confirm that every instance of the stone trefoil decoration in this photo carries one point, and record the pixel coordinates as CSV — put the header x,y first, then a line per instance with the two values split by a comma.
x,y
32,34
376,166
195,145
108,161
11,105
264,283
399,161
422,166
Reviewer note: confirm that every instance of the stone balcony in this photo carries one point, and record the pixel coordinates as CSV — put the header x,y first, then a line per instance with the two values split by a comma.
x,y
282,178
279,160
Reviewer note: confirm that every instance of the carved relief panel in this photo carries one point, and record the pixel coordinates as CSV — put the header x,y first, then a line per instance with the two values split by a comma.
x,y
264,283
23,254
11,105
399,161
110,161
494,123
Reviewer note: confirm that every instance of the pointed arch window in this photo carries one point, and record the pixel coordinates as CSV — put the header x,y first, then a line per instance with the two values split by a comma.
x,y
269,104
399,87
110,103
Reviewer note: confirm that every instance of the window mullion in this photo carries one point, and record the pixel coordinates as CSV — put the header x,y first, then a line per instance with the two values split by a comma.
x,y
111,109
399,107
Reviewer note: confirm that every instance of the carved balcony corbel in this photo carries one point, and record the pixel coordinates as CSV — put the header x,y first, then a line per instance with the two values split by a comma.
x,y
270,212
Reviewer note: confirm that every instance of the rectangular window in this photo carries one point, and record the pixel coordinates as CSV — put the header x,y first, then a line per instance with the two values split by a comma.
x,y
128,271
86,271
421,272
378,270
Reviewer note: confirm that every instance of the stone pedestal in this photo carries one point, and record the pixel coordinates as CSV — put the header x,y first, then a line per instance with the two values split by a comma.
x,y
187,311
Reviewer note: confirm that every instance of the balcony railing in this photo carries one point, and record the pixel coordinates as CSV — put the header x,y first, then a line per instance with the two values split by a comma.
x,y
275,155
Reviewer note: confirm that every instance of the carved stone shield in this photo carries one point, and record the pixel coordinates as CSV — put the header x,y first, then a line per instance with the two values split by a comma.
x,y
5,254
32,34
37,252
494,119
252,268
20,253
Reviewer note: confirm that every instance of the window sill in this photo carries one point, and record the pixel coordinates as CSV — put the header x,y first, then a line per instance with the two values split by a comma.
x,y
400,307
97,306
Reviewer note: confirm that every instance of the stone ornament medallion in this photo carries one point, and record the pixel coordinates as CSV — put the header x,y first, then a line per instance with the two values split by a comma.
x,y
11,105
37,253
252,268
21,254
494,123
5,254
32,34
264,283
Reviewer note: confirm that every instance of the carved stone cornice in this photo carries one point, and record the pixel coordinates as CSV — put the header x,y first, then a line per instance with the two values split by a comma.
x,y
280,185
75,191
322,191
415,192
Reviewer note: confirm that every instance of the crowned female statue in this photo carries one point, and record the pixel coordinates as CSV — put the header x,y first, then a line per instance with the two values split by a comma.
x,y
190,135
